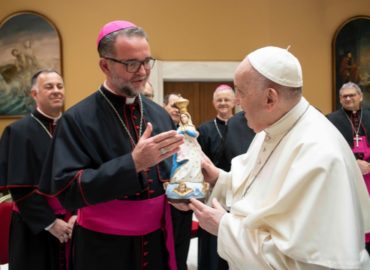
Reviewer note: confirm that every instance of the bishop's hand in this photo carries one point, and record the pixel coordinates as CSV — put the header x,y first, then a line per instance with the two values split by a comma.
x,y
149,151
61,230
364,166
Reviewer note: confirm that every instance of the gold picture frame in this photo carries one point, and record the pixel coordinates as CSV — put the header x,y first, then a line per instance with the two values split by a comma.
x,y
351,57
28,42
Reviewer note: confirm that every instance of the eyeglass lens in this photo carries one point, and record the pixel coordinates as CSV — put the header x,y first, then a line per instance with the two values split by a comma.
x,y
134,66
348,96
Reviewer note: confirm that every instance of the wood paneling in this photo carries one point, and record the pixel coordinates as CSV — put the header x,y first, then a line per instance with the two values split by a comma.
x,y
199,94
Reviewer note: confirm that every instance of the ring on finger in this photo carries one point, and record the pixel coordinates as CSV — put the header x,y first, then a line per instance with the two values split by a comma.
x,y
163,151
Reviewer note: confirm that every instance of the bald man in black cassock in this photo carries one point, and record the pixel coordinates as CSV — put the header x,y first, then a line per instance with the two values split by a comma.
x,y
38,230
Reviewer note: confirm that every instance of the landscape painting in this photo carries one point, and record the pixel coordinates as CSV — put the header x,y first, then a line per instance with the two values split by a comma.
x,y
28,42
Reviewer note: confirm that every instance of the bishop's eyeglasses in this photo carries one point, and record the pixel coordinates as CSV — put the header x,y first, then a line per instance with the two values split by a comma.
x,y
348,96
133,66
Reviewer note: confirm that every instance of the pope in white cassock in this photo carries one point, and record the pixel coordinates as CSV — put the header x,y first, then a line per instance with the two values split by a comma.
x,y
296,199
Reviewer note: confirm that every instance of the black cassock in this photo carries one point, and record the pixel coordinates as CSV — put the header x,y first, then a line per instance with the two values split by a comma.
x,y
341,121
90,162
211,139
220,142
237,140
23,148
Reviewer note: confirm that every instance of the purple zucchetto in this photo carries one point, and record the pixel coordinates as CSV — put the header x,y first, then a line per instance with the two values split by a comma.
x,y
222,87
113,27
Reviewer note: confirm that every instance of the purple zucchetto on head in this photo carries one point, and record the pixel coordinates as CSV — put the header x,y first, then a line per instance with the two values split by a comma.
x,y
223,87
113,27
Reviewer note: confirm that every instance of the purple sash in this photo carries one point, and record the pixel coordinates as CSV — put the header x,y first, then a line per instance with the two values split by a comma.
x,y
131,218
365,150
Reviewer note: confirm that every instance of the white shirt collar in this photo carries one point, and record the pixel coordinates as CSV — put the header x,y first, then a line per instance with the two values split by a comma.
x,y
129,100
55,119
288,120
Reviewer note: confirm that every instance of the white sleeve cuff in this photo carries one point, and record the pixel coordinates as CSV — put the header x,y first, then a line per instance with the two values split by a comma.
x,y
51,225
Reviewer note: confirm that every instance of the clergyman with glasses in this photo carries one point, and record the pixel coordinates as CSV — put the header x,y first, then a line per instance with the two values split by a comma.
x,y
354,123
110,159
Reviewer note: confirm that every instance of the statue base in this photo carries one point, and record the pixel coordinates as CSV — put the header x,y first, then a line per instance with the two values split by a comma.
x,y
185,200
183,191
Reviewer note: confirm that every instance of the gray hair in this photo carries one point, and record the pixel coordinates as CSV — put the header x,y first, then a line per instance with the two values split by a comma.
x,y
106,45
166,98
350,85
38,73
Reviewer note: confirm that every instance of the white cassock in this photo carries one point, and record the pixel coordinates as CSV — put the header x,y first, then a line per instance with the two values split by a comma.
x,y
297,199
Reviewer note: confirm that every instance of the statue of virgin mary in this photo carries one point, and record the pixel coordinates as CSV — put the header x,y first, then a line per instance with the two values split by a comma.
x,y
186,175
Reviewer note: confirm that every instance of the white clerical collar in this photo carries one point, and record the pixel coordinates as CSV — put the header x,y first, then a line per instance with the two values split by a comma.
x,y
129,100
288,120
55,119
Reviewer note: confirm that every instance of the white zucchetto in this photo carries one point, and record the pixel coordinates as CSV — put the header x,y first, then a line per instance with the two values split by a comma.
x,y
277,65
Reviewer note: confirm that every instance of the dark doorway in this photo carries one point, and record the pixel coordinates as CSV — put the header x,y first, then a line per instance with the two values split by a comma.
x,y
199,94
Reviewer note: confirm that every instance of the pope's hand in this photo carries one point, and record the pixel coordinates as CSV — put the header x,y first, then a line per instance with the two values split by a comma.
x,y
181,206
209,217
209,170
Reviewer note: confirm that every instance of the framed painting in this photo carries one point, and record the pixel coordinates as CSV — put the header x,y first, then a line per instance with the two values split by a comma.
x,y
351,54
28,42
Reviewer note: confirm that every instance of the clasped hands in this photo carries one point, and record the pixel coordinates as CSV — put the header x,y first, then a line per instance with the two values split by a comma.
x,y
62,229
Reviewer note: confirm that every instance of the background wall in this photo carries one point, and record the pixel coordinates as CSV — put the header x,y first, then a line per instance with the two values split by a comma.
x,y
193,30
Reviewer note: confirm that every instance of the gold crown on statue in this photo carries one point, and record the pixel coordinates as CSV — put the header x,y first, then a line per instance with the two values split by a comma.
x,y
182,105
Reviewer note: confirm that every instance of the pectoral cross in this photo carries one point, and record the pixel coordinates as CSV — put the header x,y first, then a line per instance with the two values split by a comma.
x,y
356,139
